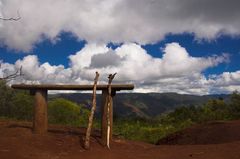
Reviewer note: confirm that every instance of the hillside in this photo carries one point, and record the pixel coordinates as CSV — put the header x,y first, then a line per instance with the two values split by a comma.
x,y
142,104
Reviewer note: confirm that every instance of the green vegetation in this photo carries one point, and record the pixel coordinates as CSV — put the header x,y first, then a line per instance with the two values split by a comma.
x,y
15,104
146,130
154,129
19,105
62,111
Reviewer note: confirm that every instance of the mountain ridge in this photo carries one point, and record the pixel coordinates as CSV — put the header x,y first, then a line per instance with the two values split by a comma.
x,y
143,105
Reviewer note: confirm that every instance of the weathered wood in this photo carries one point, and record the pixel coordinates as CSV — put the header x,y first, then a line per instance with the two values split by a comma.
x,y
111,115
109,110
90,120
116,87
104,125
40,121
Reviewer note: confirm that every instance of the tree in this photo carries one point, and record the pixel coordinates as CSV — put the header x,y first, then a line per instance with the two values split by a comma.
x,y
22,105
15,103
235,105
19,71
6,95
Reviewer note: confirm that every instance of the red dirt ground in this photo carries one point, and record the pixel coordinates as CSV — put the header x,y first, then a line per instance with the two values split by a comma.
x,y
219,140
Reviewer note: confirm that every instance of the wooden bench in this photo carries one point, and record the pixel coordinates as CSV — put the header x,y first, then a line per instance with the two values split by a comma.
x,y
40,120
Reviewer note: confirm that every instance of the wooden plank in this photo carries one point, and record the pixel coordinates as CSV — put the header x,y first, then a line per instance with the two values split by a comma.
x,y
116,87
40,121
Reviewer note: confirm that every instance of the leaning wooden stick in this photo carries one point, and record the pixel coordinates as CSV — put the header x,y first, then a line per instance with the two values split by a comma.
x,y
90,120
110,78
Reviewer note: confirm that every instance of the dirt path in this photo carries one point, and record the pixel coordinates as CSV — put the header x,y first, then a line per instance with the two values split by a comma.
x,y
18,142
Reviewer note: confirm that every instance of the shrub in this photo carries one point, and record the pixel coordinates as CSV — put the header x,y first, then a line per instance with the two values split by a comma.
x,y
63,111
22,107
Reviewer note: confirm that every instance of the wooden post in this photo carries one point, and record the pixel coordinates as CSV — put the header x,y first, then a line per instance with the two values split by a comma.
x,y
104,125
107,112
40,121
90,120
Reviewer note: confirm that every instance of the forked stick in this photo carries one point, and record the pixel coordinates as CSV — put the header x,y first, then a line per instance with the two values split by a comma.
x,y
110,78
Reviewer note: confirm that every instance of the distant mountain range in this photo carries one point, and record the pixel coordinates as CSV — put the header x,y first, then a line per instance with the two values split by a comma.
x,y
143,105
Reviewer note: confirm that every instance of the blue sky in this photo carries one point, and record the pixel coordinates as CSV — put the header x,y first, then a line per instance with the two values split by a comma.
x,y
160,46
57,53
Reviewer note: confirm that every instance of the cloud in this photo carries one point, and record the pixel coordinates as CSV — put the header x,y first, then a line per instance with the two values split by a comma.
x,y
188,84
117,21
135,64
105,60
45,73
177,61
130,23
176,70
81,61
226,82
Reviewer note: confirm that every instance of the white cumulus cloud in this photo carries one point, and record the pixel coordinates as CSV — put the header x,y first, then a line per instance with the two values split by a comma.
x,y
33,71
173,71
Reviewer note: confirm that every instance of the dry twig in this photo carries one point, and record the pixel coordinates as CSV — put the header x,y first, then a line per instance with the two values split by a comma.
x,y
11,18
13,75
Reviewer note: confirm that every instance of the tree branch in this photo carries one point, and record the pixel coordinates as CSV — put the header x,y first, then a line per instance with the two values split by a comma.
x,y
13,75
11,18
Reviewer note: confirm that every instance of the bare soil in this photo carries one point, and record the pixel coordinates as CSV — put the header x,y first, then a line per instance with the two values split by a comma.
x,y
218,140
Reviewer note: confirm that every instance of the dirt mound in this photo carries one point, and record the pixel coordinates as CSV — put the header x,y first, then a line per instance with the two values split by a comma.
x,y
210,133
18,142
